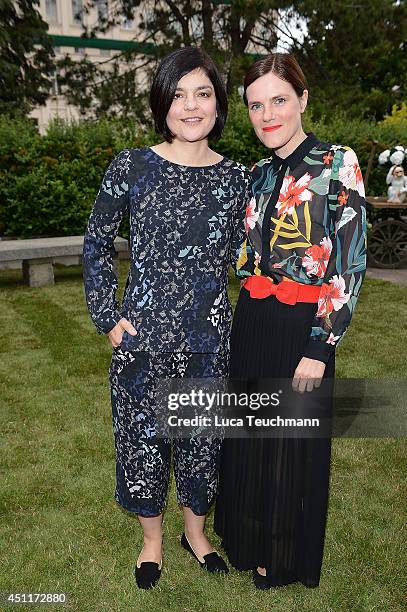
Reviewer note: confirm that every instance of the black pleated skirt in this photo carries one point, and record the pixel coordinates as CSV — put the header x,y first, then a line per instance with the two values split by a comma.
x,y
272,504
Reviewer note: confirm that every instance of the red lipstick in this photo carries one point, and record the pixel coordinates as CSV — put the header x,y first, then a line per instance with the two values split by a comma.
x,y
271,128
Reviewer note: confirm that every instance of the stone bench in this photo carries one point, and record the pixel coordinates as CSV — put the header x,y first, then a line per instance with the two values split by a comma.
x,y
38,255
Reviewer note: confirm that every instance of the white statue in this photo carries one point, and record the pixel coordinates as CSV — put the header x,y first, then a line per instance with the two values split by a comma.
x,y
398,184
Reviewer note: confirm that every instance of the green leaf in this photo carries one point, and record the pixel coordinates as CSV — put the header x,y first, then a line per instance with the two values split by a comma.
x,y
313,162
320,184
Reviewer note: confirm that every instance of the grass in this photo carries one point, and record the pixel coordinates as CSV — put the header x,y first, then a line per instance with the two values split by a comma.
x,y
61,529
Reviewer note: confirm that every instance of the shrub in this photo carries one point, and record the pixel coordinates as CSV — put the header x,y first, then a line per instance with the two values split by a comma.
x,y
48,183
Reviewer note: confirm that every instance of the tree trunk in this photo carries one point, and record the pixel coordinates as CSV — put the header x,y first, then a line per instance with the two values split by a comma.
x,y
207,14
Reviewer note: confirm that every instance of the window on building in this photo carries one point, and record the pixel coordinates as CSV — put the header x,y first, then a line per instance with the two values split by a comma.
x,y
104,52
128,24
51,10
55,85
80,50
101,8
77,11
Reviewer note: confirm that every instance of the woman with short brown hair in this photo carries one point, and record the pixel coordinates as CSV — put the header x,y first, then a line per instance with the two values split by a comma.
x,y
301,266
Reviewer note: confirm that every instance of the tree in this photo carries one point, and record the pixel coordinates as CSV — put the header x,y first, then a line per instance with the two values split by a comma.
x,y
227,29
25,67
353,52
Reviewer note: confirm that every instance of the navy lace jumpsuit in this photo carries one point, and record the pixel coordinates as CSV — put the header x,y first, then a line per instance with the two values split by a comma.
x,y
186,227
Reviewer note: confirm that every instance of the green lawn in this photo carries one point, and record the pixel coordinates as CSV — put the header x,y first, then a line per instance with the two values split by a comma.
x,y
61,528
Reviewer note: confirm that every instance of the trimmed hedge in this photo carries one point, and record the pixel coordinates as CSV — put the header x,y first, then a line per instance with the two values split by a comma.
x,y
48,183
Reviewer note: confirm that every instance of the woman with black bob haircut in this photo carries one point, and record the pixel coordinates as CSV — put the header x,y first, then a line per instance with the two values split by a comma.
x,y
186,206
171,70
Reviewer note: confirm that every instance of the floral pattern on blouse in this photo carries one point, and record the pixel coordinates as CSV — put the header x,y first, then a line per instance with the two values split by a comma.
x,y
186,227
306,220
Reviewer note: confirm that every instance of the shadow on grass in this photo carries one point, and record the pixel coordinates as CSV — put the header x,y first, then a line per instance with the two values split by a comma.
x,y
14,278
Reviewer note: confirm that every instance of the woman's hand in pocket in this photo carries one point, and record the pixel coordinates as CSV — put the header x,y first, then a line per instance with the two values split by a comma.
x,y
116,334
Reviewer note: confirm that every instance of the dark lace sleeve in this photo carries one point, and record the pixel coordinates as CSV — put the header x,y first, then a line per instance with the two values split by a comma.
x,y
239,231
100,281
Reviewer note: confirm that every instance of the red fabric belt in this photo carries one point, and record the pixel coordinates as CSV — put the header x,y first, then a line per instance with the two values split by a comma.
x,y
287,291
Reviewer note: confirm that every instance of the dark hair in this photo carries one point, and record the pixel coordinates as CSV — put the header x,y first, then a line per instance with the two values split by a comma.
x,y
283,65
171,69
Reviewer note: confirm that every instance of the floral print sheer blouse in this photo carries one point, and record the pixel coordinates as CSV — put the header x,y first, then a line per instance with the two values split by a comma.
x,y
306,220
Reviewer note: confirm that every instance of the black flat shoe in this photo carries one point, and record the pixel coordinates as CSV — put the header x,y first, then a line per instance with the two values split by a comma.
x,y
260,582
147,574
213,563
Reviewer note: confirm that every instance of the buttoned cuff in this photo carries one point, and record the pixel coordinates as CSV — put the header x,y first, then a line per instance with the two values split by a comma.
x,y
321,351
